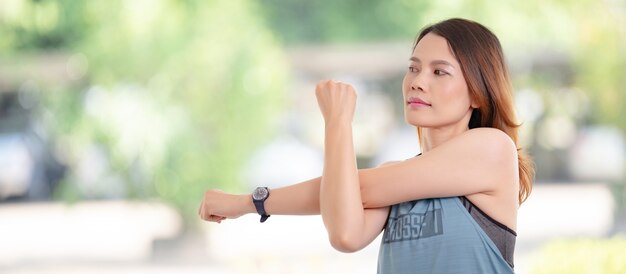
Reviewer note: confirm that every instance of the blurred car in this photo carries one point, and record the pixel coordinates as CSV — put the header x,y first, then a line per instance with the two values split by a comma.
x,y
28,169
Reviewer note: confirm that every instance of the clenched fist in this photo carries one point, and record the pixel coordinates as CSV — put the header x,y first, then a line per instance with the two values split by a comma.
x,y
217,205
336,100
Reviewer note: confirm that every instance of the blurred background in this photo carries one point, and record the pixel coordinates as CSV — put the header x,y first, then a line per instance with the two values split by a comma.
x,y
116,116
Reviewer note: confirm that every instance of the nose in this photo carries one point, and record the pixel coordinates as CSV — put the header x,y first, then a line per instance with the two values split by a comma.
x,y
417,83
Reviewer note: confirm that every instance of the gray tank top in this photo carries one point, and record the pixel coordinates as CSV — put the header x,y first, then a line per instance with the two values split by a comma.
x,y
437,236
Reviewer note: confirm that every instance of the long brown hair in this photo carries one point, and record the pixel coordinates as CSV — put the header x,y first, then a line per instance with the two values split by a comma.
x,y
480,55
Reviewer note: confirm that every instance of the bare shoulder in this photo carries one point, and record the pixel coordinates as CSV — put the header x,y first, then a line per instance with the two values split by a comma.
x,y
498,153
488,144
498,156
489,150
489,136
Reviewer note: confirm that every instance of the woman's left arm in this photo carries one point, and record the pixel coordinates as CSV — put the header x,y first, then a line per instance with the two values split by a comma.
x,y
348,224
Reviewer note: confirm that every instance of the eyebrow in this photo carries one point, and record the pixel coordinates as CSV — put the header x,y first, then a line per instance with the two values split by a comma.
x,y
433,62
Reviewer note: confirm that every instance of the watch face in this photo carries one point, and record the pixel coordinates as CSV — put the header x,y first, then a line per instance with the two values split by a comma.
x,y
260,193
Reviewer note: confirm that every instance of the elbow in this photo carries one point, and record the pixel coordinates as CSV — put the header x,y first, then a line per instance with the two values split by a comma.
x,y
346,243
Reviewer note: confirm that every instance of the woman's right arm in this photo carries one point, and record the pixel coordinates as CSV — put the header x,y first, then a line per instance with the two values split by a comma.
x,y
299,199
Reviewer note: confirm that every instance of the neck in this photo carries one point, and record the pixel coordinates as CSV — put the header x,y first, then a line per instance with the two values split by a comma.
x,y
433,137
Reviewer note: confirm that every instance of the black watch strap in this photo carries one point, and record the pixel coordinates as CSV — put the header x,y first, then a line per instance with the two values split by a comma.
x,y
260,208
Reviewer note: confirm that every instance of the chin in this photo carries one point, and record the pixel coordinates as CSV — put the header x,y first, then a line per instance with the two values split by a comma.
x,y
417,122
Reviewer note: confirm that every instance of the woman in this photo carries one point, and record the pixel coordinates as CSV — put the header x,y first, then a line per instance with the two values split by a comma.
x,y
451,209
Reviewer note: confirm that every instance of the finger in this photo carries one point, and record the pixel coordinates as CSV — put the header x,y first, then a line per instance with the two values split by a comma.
x,y
215,218
329,84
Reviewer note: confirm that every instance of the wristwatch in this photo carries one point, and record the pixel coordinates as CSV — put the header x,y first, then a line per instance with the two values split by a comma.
x,y
259,196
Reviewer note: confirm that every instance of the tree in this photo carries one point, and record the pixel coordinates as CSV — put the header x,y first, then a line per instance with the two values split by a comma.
x,y
328,21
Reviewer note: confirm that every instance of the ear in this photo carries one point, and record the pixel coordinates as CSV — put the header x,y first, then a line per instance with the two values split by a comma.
x,y
473,103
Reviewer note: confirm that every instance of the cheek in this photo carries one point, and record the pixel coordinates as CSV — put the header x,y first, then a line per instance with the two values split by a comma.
x,y
455,96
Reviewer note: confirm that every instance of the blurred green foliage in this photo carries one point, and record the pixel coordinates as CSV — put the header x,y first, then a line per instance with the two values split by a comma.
x,y
328,21
174,94
584,256
35,26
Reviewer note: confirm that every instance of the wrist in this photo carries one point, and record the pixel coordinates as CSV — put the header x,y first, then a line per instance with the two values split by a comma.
x,y
246,204
338,123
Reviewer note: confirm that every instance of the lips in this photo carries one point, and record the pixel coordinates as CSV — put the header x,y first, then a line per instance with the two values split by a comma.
x,y
414,101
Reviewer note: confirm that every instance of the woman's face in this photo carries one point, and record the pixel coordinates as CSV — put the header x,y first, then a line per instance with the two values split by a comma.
x,y
434,89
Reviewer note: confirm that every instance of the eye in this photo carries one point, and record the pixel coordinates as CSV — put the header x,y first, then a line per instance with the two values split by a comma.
x,y
440,72
413,69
